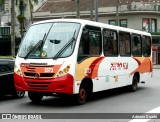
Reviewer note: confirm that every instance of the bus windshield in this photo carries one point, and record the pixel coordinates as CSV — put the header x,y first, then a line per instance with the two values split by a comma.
x,y
49,40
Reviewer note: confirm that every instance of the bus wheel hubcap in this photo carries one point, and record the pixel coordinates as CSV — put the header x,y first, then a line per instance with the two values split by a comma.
x,y
82,94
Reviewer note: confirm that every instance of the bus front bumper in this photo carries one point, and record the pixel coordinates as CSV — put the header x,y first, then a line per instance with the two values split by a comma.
x,y
62,85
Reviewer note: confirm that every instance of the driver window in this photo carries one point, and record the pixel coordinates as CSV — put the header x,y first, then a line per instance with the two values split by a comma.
x,y
90,43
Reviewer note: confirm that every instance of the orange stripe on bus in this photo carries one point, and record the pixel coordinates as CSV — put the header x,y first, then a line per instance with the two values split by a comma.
x,y
144,67
80,68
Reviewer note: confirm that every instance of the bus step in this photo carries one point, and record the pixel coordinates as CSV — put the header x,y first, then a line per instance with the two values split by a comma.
x,y
143,82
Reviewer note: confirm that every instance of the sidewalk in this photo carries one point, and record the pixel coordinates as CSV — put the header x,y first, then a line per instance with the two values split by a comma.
x,y
156,66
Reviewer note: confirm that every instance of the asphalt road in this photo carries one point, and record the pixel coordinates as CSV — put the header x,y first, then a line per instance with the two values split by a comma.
x,y
120,100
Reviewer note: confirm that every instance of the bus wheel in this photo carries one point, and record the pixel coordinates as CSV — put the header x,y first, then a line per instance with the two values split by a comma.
x,y
35,96
81,97
134,85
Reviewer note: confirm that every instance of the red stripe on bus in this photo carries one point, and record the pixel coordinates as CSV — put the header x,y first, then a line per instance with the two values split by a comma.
x,y
94,65
139,63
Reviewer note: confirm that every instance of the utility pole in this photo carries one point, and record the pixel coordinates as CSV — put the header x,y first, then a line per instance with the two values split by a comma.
x,y
117,13
0,19
91,10
78,9
96,10
12,28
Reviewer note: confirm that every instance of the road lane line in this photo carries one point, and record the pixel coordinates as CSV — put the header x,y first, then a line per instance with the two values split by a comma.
x,y
155,110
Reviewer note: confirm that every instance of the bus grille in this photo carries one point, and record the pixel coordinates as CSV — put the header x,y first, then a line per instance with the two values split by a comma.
x,y
37,71
42,75
38,85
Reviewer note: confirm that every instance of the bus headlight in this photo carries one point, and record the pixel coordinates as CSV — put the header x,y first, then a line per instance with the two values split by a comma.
x,y
17,70
63,72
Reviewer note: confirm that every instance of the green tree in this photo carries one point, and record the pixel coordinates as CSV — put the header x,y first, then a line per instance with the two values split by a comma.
x,y
31,6
1,8
1,2
21,18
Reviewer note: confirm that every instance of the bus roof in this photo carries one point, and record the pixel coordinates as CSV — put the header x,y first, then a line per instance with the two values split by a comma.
x,y
98,24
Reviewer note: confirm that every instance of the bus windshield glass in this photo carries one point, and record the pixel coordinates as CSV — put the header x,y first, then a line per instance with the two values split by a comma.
x,y
49,40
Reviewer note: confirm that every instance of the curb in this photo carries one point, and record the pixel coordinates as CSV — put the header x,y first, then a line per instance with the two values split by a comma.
x,y
156,66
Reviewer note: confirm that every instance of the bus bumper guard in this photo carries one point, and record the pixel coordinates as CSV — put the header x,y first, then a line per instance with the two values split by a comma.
x,y
62,85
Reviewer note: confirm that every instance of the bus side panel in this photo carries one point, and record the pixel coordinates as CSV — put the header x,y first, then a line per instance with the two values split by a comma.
x,y
116,71
113,72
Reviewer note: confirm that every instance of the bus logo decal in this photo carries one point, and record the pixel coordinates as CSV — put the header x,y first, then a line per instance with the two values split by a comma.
x,y
36,75
119,66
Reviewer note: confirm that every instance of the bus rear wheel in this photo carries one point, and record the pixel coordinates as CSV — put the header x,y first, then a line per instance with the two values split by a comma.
x,y
134,85
81,97
35,97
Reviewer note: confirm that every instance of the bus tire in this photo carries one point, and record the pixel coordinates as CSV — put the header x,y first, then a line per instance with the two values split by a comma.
x,y
35,97
133,87
81,97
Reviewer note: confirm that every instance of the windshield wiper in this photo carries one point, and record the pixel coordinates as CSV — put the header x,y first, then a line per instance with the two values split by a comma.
x,y
39,43
60,52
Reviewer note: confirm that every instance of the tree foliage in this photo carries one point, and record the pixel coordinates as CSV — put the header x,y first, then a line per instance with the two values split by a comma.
x,y
20,18
31,5
1,2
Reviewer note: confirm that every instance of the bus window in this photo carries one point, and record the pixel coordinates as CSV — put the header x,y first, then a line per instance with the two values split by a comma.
x,y
94,43
136,45
124,43
90,43
146,46
110,44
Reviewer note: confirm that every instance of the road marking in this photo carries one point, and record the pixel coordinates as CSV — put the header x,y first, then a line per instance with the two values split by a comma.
x,y
155,110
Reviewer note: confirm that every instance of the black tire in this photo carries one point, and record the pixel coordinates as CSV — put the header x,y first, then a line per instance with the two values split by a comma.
x,y
134,85
18,94
35,97
81,97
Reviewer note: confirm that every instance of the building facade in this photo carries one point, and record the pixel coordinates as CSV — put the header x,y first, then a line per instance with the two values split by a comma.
x,y
141,15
